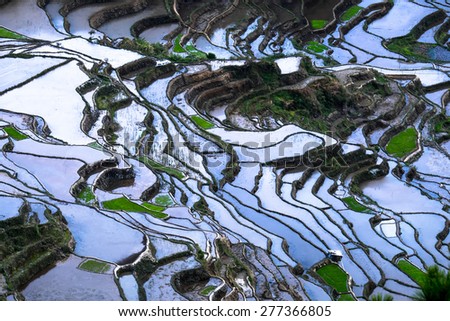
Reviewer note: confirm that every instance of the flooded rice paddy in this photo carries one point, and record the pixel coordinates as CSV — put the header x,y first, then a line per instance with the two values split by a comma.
x,y
163,171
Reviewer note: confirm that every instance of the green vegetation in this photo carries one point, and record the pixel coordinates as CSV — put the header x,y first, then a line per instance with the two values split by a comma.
x,y
403,143
95,145
350,13
318,24
28,247
14,133
153,207
408,46
158,50
207,290
381,297
190,48
316,47
95,266
229,263
373,88
111,98
124,204
334,276
154,165
164,200
184,59
86,195
150,49
309,107
6,33
177,46
435,285
201,122
155,210
195,52
354,205
141,45
150,75
412,271
442,125
346,297
201,206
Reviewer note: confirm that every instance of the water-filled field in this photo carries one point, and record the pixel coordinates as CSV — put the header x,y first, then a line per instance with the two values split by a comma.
x,y
207,151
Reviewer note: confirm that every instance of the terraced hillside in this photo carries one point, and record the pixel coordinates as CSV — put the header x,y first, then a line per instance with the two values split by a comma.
x,y
223,150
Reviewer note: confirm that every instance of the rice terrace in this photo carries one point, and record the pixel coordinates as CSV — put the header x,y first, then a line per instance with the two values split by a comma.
x,y
172,150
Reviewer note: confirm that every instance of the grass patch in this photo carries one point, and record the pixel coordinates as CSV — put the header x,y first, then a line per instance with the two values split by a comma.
x,y
354,205
157,166
124,204
316,47
350,13
164,200
403,143
6,33
14,133
207,290
177,46
201,122
412,271
318,24
86,195
334,276
95,266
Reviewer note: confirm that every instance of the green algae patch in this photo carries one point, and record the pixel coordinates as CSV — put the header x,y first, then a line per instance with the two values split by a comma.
x,y
6,33
95,266
14,133
163,200
354,205
201,122
403,143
